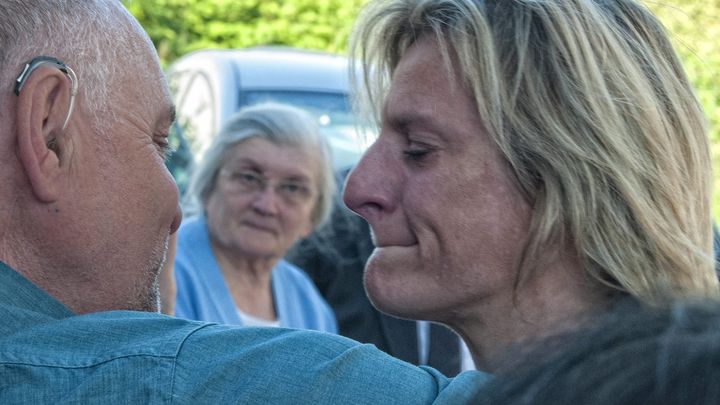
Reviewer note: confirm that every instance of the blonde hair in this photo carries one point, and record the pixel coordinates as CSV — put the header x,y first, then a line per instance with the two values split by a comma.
x,y
590,106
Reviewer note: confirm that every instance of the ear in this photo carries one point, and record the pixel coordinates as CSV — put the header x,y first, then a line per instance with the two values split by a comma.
x,y
42,107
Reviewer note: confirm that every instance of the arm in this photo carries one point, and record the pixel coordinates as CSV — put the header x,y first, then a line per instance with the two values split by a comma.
x,y
261,365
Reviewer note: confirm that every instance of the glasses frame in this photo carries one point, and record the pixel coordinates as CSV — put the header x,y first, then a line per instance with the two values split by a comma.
x,y
39,61
265,183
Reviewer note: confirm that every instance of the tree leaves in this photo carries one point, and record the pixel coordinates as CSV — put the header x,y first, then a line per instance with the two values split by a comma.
x,y
181,26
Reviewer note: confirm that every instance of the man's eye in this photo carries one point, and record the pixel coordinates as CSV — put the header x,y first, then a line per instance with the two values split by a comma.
x,y
415,154
164,147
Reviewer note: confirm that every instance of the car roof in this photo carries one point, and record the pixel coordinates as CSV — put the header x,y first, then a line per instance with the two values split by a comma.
x,y
268,68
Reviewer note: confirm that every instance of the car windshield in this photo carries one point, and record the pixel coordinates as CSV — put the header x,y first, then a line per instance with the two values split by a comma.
x,y
330,109
332,112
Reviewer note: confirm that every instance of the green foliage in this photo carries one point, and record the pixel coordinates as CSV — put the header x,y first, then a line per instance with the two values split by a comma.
x,y
181,26
695,29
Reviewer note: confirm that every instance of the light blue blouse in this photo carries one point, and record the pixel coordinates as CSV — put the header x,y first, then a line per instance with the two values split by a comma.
x,y
203,295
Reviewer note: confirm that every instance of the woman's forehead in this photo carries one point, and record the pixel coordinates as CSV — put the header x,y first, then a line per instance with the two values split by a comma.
x,y
282,160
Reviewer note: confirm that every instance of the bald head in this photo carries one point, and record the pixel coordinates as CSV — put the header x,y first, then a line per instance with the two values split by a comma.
x,y
88,206
96,38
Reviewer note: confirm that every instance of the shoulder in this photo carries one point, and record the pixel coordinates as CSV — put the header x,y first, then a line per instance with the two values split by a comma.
x,y
93,339
129,355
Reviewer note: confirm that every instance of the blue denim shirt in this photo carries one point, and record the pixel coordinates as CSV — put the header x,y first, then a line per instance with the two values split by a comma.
x,y
50,355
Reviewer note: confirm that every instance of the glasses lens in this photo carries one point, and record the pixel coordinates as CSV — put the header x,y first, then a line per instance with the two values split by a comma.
x,y
291,192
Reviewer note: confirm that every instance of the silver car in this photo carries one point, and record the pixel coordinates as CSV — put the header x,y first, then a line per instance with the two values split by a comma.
x,y
210,85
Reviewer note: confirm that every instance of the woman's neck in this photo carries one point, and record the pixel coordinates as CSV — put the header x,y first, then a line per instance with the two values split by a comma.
x,y
249,281
555,300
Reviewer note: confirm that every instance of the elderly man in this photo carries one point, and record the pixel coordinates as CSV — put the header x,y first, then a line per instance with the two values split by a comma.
x,y
84,223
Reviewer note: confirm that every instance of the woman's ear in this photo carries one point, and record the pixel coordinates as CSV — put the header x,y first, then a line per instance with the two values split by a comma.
x,y
43,105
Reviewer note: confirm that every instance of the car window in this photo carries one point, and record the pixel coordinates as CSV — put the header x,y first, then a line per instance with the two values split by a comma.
x,y
332,112
330,109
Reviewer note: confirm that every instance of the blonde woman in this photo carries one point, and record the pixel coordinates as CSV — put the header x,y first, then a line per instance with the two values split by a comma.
x,y
538,160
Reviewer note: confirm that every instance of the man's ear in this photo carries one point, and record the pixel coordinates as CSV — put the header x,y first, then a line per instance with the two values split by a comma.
x,y
42,107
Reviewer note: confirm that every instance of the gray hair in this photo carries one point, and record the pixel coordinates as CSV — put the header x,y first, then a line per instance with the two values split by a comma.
x,y
278,123
592,111
88,35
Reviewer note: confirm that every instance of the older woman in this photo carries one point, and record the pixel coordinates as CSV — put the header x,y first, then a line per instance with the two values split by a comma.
x,y
537,160
265,181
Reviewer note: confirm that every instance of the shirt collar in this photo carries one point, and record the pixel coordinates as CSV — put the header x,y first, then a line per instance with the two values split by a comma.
x,y
17,291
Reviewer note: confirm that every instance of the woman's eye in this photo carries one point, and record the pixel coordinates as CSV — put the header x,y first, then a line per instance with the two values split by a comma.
x,y
291,188
296,188
246,177
295,192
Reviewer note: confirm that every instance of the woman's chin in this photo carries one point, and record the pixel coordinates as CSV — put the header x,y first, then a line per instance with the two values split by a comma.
x,y
393,290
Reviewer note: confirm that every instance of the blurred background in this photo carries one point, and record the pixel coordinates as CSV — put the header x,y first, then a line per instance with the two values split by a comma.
x,y
179,27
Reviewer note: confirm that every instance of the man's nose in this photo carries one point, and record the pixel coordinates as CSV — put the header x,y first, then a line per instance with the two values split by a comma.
x,y
176,220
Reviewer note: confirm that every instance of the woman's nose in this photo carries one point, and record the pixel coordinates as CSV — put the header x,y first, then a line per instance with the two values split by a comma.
x,y
266,201
371,185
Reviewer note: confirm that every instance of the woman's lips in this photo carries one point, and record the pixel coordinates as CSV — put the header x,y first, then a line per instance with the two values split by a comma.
x,y
259,226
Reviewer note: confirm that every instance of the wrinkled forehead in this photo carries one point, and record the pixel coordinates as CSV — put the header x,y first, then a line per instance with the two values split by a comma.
x,y
141,74
139,82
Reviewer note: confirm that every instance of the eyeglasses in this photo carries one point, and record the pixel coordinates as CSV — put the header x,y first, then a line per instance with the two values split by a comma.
x,y
292,192
47,60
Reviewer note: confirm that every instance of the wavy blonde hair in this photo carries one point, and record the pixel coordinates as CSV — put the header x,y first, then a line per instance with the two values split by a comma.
x,y
592,110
